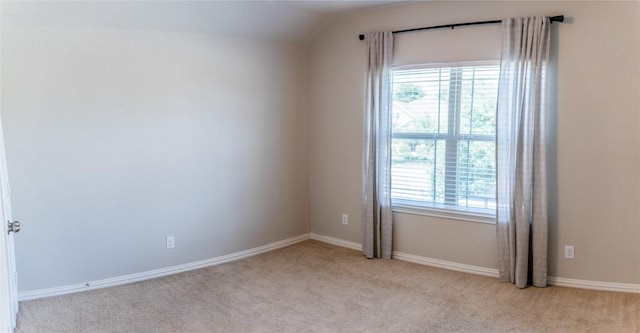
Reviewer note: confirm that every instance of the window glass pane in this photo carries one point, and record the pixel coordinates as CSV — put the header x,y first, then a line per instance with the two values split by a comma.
x,y
441,155
485,97
476,174
413,169
479,88
466,100
443,105
417,102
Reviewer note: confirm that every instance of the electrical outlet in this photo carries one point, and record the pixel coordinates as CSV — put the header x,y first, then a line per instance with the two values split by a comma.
x,y
345,219
170,242
568,252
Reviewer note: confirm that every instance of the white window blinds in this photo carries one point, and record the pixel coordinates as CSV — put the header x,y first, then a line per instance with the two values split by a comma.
x,y
443,138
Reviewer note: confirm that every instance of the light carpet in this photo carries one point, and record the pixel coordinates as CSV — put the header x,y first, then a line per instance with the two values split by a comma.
x,y
316,287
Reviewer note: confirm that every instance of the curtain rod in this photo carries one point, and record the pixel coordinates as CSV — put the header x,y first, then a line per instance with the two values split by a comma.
x,y
559,18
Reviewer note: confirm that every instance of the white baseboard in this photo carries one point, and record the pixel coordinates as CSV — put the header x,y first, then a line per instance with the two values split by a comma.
x,y
120,280
413,258
453,266
594,285
490,272
337,241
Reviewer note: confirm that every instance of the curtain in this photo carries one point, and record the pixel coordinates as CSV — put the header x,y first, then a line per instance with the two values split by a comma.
x,y
521,144
376,162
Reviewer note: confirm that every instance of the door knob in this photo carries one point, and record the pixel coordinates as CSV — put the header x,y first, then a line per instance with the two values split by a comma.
x,y
13,226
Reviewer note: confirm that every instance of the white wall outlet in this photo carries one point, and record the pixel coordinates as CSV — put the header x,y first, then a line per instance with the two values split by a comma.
x,y
170,242
345,219
568,252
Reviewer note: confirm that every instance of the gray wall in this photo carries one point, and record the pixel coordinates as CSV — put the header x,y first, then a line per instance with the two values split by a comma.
x,y
594,130
117,139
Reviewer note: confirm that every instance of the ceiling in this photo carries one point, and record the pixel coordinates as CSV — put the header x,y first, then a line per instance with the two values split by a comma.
x,y
274,20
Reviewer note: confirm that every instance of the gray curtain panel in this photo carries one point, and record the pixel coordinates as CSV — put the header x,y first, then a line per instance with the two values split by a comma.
x,y
521,151
376,163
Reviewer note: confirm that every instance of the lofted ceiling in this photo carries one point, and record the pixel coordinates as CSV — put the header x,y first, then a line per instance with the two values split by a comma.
x,y
286,21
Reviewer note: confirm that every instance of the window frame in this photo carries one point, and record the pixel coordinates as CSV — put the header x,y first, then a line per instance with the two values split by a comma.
x,y
440,210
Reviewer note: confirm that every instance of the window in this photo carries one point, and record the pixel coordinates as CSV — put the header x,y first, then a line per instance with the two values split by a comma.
x,y
443,139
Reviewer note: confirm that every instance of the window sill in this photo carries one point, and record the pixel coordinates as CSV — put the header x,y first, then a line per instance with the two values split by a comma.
x,y
445,214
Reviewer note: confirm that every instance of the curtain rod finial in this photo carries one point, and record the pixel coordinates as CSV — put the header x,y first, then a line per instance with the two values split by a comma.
x,y
361,37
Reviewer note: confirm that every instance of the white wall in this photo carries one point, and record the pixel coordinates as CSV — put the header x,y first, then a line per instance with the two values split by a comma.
x,y
594,135
117,139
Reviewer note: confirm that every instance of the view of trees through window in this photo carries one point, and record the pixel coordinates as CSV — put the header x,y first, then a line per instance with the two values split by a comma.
x,y
443,146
